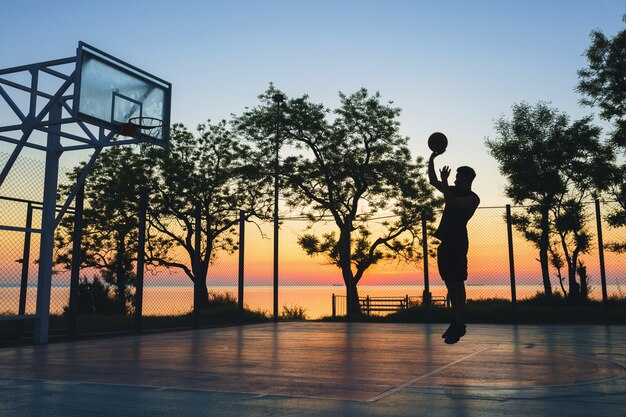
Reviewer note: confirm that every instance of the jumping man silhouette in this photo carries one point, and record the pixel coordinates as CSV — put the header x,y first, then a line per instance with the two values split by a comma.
x,y
460,204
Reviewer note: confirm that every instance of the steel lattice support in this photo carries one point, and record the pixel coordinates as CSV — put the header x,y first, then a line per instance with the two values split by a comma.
x,y
50,120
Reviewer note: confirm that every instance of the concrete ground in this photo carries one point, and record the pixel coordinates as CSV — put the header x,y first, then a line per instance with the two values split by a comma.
x,y
323,369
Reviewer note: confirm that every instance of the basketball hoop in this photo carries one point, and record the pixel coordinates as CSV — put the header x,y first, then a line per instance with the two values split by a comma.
x,y
150,126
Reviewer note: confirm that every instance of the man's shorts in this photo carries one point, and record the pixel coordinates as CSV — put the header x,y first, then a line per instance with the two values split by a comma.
x,y
452,260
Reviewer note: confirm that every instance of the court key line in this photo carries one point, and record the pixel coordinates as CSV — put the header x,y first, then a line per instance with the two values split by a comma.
x,y
426,375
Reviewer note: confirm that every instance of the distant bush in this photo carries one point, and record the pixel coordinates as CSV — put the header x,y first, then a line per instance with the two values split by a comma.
x,y
94,297
217,300
293,312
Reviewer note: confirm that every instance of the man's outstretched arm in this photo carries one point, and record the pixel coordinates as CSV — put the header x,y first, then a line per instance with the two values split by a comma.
x,y
432,175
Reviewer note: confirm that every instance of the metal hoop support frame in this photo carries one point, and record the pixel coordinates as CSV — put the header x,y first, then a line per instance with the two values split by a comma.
x,y
150,126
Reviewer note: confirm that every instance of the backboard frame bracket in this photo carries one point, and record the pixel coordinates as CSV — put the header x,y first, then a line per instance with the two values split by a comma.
x,y
50,121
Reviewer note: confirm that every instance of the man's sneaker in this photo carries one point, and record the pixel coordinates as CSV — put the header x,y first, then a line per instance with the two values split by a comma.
x,y
456,332
449,329
462,329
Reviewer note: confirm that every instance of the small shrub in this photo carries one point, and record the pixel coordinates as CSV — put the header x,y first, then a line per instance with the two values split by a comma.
x,y
218,300
94,297
293,312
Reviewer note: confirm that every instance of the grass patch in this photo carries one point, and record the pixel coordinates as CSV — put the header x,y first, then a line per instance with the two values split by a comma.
x,y
294,312
221,311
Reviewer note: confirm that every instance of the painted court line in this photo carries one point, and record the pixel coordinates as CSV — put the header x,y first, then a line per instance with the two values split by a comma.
x,y
426,375
161,389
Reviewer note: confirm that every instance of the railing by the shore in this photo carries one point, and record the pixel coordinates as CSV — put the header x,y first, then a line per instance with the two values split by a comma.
x,y
369,305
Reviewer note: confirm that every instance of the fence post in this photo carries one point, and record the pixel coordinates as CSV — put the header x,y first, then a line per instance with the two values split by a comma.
x,y
278,98
242,231
77,237
346,248
426,295
367,305
509,231
25,265
605,297
334,306
26,259
141,256
406,300
196,262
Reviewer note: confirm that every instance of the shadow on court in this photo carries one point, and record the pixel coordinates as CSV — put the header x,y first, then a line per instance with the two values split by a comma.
x,y
312,368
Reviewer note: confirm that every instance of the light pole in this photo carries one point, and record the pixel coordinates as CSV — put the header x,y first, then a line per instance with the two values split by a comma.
x,y
278,98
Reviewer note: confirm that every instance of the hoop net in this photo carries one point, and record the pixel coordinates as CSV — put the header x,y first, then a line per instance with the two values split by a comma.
x,y
149,126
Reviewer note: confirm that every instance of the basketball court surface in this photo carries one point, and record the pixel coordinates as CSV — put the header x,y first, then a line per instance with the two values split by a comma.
x,y
312,368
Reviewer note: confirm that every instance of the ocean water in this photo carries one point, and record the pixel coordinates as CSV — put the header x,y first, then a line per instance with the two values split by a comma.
x,y
316,300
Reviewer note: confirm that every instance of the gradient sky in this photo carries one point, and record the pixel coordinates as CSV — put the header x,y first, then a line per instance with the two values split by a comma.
x,y
452,66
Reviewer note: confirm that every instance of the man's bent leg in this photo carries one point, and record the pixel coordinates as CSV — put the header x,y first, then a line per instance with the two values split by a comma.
x,y
456,292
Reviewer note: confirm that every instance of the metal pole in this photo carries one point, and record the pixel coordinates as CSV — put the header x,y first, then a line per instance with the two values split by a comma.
x,y
350,296
25,265
605,297
26,259
141,256
242,231
77,237
196,265
509,231
46,247
426,296
278,98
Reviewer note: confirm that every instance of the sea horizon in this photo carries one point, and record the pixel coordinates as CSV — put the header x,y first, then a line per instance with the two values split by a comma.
x,y
315,299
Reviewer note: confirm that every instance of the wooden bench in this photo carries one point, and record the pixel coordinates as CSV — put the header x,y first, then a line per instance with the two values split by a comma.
x,y
383,304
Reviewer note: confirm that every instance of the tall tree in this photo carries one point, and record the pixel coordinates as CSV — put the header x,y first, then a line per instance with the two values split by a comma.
x,y
212,172
552,165
603,84
109,241
351,167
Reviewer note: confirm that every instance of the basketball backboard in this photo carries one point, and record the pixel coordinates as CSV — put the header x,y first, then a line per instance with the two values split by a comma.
x,y
109,92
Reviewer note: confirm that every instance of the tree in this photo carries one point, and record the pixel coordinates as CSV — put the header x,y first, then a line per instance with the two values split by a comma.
x,y
603,84
110,220
94,297
211,172
553,165
350,168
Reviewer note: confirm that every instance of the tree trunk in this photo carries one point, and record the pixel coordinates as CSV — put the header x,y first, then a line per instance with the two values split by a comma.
x,y
202,293
544,243
352,298
584,286
574,288
352,294
200,289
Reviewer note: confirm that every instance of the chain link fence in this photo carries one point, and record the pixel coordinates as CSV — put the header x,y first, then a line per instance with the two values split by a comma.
x,y
309,286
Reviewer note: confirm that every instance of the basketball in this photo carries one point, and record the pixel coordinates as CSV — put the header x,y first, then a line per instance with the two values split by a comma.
x,y
438,142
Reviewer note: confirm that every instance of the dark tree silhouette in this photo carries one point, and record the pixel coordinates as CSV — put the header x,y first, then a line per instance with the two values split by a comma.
x,y
109,241
349,167
553,165
603,84
212,170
